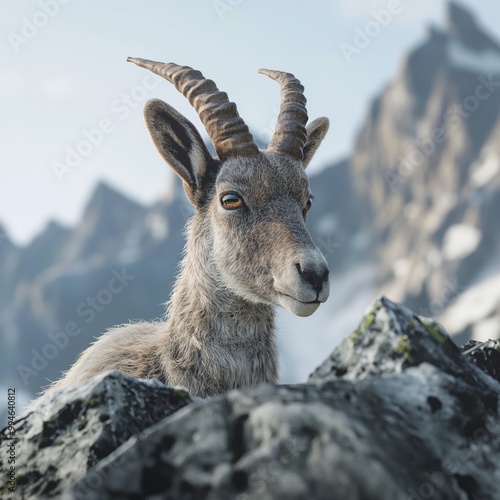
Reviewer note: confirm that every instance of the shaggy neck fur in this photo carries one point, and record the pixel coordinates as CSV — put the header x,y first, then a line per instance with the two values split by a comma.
x,y
215,340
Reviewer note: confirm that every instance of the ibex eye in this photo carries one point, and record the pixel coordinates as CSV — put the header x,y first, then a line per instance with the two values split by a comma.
x,y
231,201
308,205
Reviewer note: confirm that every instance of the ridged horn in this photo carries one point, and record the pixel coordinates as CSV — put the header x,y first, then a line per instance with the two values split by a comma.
x,y
290,134
227,131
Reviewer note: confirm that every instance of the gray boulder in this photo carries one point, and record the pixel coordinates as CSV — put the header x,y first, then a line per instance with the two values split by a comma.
x,y
73,429
397,411
390,339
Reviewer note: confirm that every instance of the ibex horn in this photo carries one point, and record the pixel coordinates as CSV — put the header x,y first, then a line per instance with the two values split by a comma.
x,y
289,136
227,131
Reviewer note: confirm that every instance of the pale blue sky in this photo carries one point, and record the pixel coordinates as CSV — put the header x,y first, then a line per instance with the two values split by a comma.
x,y
71,73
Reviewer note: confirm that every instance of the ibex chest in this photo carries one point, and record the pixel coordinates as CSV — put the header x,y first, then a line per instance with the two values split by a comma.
x,y
240,364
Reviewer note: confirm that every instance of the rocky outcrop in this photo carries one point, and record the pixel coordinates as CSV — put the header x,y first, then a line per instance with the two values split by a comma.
x,y
486,355
396,411
73,429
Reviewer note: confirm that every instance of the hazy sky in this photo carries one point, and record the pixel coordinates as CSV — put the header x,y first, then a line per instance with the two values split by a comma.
x,y
64,75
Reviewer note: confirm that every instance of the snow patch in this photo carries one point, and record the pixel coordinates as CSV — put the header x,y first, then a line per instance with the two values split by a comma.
x,y
401,267
157,225
131,251
473,306
459,241
486,170
485,62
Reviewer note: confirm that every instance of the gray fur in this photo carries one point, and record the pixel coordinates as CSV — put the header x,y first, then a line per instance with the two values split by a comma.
x,y
219,330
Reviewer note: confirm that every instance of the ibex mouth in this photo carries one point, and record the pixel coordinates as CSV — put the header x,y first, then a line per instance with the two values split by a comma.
x,y
301,301
296,306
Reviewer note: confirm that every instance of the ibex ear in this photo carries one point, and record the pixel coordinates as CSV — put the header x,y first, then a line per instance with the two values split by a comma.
x,y
315,131
181,146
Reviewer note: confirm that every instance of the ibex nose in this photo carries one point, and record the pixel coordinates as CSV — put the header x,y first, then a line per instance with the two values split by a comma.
x,y
315,276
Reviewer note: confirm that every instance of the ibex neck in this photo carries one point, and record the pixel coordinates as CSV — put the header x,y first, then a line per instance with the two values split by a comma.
x,y
203,307
214,340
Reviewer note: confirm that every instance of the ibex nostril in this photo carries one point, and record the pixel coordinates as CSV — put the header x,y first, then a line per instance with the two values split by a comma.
x,y
314,277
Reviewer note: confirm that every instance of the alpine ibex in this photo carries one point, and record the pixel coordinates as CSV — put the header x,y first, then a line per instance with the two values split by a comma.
x,y
247,245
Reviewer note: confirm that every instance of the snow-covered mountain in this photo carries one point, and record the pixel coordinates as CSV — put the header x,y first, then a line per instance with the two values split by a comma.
x,y
413,214
428,161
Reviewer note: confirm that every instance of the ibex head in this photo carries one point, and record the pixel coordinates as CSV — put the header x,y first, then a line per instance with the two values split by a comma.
x,y
252,204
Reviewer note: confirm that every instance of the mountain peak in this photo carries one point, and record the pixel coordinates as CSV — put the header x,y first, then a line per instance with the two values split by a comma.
x,y
463,27
3,231
4,237
106,197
